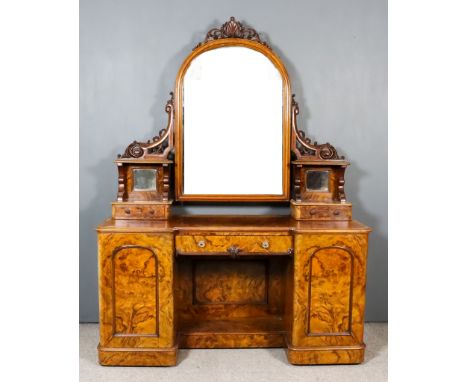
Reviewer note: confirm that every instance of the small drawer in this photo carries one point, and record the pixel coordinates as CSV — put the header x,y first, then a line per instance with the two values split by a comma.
x,y
321,212
140,211
234,245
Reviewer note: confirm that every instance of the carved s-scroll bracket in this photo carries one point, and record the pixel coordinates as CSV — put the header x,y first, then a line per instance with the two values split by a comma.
x,y
159,146
303,147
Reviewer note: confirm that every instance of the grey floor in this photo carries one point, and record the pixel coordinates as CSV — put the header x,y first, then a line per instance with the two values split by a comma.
x,y
241,365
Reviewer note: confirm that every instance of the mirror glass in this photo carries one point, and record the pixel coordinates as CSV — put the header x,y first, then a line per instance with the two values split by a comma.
x,y
317,180
144,179
232,124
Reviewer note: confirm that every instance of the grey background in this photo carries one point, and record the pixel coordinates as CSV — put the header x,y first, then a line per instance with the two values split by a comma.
x,y
336,56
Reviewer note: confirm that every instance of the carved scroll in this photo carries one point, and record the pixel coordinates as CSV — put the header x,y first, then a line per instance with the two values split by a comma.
x,y
232,29
160,145
302,146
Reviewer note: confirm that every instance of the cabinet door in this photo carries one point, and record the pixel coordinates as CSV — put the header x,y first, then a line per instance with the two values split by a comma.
x,y
329,289
135,290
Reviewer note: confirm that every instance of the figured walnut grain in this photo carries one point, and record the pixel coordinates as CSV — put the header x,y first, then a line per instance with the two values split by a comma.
x,y
222,244
323,299
135,290
135,272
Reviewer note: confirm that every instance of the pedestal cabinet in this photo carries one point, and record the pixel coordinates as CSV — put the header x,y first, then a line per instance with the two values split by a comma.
x,y
136,278
231,282
329,298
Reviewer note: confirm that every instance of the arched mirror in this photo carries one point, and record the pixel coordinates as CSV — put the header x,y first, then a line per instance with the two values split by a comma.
x,y
232,123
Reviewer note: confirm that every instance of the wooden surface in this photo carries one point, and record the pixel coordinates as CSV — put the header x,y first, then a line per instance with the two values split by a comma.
x,y
326,355
236,224
231,303
321,211
329,290
137,357
336,181
256,332
136,304
233,245
160,290
140,211
126,191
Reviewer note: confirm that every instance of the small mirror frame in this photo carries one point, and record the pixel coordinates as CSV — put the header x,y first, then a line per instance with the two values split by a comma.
x,y
321,172
154,174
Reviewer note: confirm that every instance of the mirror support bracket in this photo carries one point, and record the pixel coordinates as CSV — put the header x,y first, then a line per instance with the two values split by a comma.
x,y
159,146
302,146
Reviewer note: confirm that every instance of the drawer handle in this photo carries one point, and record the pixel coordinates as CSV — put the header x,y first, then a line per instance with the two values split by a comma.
x,y
266,244
127,210
202,244
336,212
313,211
151,212
234,250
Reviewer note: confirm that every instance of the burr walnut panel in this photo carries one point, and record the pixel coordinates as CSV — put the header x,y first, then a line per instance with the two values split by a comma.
x,y
233,333
136,307
233,244
322,355
329,290
241,282
330,280
137,357
134,276
247,288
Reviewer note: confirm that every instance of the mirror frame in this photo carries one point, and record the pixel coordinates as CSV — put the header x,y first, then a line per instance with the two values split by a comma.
x,y
179,128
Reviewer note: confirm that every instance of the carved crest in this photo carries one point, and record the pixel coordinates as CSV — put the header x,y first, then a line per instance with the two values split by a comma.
x,y
160,145
232,29
303,146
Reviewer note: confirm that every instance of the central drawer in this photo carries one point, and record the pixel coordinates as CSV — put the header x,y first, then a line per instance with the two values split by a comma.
x,y
234,245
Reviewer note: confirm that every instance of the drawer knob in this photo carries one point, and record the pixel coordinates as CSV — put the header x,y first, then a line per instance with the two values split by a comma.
x,y
313,211
336,212
266,244
202,244
127,210
151,212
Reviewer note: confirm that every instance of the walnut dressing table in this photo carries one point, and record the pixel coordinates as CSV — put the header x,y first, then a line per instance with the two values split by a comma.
x,y
168,282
